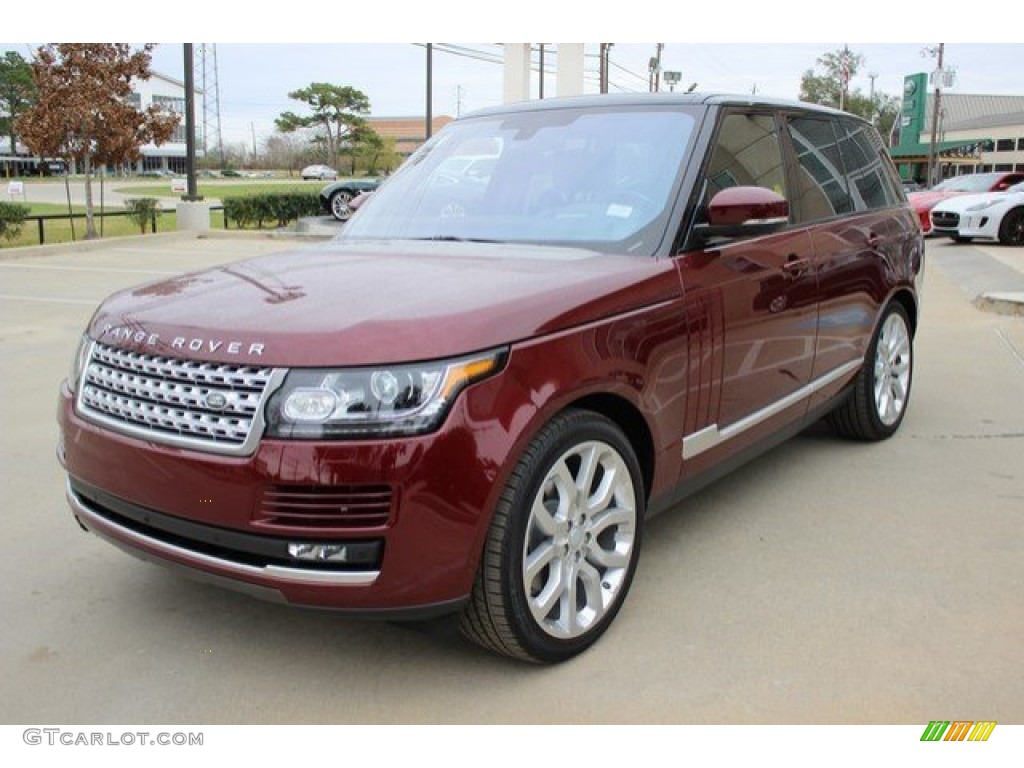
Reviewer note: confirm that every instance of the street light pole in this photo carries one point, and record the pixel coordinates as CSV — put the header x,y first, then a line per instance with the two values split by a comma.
x,y
190,126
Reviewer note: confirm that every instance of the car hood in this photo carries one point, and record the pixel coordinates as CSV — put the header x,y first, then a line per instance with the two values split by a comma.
x,y
925,200
961,203
379,302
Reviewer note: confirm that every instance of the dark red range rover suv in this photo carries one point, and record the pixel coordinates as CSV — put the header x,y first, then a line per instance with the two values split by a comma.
x,y
469,402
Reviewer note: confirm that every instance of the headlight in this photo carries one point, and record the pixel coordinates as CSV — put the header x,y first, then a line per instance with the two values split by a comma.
x,y
78,363
372,402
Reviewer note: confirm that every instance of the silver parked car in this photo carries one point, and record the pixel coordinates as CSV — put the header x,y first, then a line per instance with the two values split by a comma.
x,y
321,172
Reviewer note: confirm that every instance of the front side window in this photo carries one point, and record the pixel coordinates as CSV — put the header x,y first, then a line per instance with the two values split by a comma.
x,y
746,154
601,179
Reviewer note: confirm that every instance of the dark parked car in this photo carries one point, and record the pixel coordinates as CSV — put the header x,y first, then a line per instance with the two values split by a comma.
x,y
475,396
334,198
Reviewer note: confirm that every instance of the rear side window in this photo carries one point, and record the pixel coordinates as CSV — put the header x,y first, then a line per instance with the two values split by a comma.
x,y
821,185
871,181
747,154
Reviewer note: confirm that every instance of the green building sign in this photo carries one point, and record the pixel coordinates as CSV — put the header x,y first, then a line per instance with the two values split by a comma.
x,y
915,97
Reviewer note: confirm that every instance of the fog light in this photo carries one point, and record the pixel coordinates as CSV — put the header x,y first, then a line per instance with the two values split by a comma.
x,y
319,553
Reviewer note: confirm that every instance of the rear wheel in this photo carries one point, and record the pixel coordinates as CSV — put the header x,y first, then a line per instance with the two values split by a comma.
x,y
1011,231
881,391
563,544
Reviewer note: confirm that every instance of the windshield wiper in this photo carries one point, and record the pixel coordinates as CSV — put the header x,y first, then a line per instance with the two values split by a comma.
x,y
454,239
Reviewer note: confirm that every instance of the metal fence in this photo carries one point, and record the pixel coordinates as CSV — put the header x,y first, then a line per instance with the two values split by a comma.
x,y
41,219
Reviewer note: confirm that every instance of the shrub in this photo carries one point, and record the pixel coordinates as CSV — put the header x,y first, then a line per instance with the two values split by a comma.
x,y
279,208
12,216
141,210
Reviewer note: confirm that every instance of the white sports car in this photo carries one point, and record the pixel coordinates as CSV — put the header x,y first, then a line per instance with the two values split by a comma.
x,y
992,216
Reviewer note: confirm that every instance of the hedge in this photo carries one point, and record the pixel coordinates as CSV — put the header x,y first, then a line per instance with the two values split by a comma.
x,y
280,208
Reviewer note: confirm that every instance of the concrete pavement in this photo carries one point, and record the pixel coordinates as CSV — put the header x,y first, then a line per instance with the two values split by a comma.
x,y
827,582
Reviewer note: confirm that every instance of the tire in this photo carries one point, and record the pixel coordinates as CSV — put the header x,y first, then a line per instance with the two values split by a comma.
x,y
563,544
881,391
339,204
1011,231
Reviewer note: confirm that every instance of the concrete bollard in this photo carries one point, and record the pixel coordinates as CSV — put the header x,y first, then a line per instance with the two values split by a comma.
x,y
193,215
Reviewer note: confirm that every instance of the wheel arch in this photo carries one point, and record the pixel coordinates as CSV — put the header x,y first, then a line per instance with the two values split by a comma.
x,y
630,420
908,301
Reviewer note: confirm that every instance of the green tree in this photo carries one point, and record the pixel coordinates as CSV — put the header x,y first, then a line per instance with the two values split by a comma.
x,y
17,93
336,112
84,111
830,86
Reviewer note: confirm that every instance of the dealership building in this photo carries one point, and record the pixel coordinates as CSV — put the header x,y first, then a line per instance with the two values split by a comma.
x,y
974,133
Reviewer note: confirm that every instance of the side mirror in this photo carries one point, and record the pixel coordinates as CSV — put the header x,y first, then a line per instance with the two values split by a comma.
x,y
744,212
355,203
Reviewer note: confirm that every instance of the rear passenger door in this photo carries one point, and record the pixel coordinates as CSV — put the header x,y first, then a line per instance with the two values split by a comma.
x,y
845,192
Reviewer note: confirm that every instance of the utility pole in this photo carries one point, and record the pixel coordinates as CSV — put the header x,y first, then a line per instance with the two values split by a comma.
x,y
541,89
655,68
605,58
936,108
430,90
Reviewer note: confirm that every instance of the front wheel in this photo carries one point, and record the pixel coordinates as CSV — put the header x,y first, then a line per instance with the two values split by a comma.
x,y
339,205
881,392
563,544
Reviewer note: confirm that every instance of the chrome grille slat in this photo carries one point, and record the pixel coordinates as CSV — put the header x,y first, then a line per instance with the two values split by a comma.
x,y
165,399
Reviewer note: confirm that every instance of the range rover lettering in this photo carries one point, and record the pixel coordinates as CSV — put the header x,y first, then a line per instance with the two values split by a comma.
x,y
469,402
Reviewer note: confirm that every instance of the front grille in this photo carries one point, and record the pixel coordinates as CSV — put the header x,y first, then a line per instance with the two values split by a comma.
x,y
945,219
209,406
325,507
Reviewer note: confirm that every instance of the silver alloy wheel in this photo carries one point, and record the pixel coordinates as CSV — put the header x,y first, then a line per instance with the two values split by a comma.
x,y
339,205
579,539
892,369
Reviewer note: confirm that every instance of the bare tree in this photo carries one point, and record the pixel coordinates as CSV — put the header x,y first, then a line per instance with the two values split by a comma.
x,y
84,110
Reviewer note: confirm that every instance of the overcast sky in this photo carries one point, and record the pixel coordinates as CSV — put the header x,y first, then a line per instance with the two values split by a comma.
x,y
255,77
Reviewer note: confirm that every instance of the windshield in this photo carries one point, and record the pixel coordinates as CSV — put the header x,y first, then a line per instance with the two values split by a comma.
x,y
592,178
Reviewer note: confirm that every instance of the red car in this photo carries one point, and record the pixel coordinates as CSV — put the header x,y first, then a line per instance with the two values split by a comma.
x,y
923,202
470,402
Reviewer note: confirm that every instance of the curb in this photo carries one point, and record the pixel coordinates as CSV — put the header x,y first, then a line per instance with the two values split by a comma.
x,y
1001,303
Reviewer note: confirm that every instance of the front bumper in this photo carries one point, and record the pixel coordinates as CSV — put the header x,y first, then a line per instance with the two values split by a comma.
x,y
416,555
979,225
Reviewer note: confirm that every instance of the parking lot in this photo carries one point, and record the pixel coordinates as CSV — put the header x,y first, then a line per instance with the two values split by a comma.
x,y
827,582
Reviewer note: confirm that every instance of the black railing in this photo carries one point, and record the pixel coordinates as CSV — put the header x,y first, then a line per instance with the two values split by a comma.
x,y
41,218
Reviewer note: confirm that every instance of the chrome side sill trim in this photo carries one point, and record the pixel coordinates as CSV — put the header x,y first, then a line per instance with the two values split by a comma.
x,y
280,573
711,436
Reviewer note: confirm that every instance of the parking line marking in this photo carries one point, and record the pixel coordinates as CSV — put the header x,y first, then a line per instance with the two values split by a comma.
x,y
1009,344
88,302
